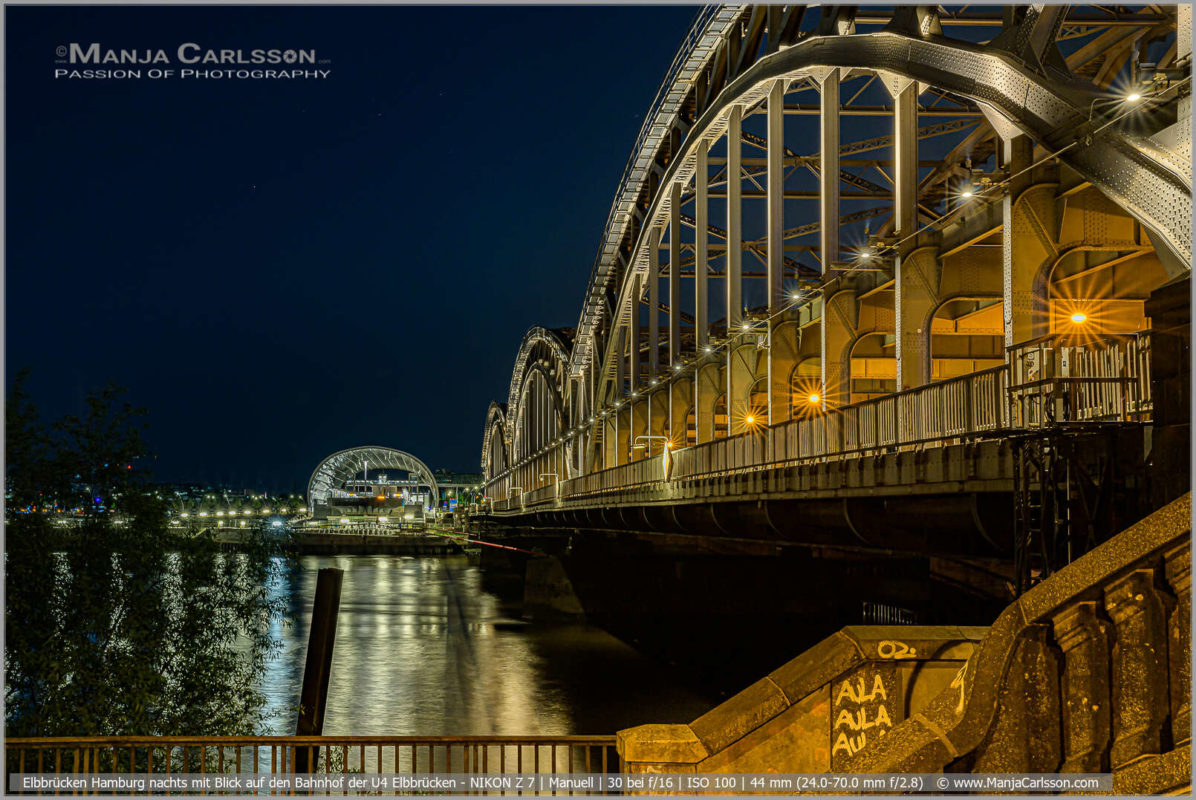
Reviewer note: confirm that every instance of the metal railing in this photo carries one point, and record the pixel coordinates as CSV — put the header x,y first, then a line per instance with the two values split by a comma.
x,y
548,492
954,408
1046,381
272,755
1057,379
624,476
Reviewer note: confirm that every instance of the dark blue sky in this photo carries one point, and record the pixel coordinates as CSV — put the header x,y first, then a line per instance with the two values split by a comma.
x,y
280,269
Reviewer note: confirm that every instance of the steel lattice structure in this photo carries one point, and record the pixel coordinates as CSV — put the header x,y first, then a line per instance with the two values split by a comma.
x,y
334,471
1011,176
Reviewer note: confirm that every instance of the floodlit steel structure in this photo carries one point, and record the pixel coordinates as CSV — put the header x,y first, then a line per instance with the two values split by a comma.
x,y
337,469
1010,173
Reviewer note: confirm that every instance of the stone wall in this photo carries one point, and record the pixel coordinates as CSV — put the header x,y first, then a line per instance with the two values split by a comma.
x,y
818,712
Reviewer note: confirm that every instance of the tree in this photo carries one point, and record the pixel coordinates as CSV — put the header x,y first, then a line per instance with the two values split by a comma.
x,y
115,625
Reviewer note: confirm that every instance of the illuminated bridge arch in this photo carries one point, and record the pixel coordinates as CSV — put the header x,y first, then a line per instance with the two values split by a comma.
x,y
337,469
538,408
496,446
977,154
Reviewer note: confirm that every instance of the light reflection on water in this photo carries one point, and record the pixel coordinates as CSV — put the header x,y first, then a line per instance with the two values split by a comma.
x,y
423,649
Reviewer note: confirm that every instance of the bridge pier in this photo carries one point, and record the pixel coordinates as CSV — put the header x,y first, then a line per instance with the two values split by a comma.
x,y
725,614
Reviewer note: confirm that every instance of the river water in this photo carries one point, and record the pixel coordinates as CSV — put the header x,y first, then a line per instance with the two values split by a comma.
x,y
426,646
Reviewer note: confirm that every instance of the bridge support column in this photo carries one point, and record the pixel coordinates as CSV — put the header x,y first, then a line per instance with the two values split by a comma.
x,y
610,434
782,359
675,276
917,269
635,334
840,314
621,364
915,298
658,418
829,170
734,219
622,434
681,398
701,245
639,427
905,151
707,388
806,378
777,372
741,368
1027,245
654,304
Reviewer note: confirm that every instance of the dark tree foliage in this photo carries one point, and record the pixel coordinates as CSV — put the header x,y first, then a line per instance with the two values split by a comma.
x,y
117,626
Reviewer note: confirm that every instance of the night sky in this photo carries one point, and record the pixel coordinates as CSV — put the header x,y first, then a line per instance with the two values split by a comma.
x,y
278,269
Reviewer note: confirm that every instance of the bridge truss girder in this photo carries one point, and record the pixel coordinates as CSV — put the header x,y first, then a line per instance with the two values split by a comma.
x,y
998,99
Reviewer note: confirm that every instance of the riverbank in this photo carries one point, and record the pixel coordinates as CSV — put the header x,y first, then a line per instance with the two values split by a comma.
x,y
406,544
325,543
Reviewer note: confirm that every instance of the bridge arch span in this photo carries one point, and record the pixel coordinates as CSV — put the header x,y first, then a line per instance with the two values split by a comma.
x,y
496,445
539,410
332,473
1022,173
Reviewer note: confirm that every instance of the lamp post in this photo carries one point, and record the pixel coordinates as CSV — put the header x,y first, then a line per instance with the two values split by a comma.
x,y
635,445
648,443
544,475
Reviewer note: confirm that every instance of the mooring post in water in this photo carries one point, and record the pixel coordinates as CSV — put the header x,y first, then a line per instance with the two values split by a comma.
x,y
318,666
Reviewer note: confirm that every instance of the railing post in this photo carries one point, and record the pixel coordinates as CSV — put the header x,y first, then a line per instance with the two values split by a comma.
x,y
1025,734
1179,578
1140,685
1083,637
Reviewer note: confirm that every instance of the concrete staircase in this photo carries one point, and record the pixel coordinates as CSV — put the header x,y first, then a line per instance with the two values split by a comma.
x,y
1089,671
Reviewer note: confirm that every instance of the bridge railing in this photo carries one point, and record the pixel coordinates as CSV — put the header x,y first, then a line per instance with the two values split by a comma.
x,y
1046,381
970,404
717,456
1057,379
624,476
540,495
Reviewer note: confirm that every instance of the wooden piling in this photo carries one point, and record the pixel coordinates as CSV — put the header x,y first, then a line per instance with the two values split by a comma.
x,y
318,666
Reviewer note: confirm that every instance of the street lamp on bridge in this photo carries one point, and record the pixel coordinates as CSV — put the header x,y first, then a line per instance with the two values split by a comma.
x,y
647,444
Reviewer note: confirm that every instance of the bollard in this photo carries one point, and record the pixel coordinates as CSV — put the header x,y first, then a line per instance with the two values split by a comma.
x,y
318,666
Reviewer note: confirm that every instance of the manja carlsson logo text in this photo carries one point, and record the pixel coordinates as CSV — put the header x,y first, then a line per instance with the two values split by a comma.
x,y
187,53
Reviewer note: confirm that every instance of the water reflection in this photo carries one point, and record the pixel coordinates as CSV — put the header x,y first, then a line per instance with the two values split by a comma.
x,y
423,649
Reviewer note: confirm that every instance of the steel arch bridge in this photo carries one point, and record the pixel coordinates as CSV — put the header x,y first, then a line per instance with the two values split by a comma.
x,y
828,206
332,473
